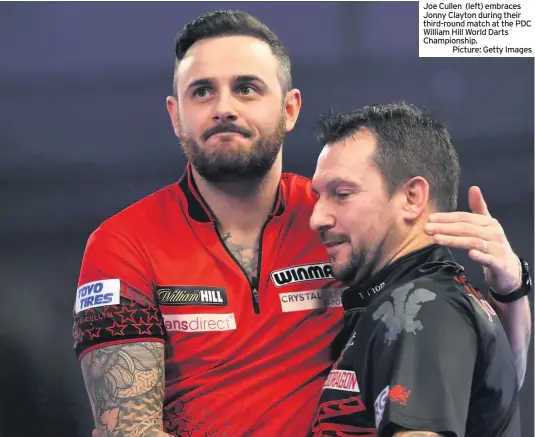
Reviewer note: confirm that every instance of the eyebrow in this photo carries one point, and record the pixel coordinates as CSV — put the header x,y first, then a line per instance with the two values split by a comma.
x,y
199,83
240,80
341,181
248,79
333,183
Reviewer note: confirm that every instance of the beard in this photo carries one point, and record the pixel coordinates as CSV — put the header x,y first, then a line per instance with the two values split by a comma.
x,y
364,262
235,164
350,270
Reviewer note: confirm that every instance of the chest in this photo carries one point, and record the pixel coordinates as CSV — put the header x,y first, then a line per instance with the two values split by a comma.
x,y
214,313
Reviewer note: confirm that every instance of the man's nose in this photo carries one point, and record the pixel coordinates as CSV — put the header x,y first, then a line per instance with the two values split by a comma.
x,y
225,109
321,219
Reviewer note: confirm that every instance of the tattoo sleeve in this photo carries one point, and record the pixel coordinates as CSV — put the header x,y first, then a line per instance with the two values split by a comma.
x,y
125,387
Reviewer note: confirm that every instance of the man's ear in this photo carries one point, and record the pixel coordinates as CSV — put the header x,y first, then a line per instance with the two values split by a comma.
x,y
292,107
172,109
415,198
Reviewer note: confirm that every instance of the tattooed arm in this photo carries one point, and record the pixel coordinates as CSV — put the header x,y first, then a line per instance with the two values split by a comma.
x,y
125,387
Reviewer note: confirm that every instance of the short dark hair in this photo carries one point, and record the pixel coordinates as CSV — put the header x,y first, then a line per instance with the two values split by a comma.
x,y
231,23
409,143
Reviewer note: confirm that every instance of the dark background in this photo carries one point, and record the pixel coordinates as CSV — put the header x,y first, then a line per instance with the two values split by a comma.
x,y
84,133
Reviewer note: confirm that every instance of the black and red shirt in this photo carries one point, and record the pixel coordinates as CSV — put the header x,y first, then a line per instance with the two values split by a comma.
x,y
241,358
424,351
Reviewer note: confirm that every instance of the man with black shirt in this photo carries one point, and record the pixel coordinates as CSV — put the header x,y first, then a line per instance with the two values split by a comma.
x,y
425,354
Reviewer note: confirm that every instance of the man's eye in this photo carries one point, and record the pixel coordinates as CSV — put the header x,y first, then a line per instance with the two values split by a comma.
x,y
201,92
341,195
246,90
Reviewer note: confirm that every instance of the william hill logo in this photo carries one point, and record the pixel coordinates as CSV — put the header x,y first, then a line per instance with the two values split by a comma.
x,y
309,272
191,295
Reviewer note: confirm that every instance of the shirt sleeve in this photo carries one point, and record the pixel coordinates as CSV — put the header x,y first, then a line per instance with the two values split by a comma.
x,y
115,297
422,360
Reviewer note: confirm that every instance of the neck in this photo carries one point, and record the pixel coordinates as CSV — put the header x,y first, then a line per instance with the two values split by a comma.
x,y
411,245
241,207
415,240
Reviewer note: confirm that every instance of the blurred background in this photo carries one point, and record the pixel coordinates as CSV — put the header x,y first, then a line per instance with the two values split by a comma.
x,y
84,133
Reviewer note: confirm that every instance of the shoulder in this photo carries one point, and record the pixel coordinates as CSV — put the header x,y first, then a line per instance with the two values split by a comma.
x,y
444,287
420,312
127,229
144,212
451,287
296,182
429,296
120,246
444,290
298,191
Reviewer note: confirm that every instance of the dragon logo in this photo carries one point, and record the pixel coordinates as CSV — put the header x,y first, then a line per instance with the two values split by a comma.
x,y
400,314
399,394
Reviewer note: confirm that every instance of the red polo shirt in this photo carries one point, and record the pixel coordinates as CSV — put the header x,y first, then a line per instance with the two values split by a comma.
x,y
241,358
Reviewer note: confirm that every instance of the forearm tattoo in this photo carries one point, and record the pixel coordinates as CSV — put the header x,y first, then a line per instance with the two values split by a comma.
x,y
125,387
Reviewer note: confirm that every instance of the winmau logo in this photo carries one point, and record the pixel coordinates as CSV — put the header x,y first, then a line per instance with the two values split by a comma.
x,y
309,272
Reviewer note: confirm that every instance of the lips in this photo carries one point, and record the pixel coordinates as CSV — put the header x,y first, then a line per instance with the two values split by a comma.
x,y
333,243
225,133
226,128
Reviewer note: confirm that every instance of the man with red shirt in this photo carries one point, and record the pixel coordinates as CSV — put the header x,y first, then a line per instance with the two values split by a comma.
x,y
219,270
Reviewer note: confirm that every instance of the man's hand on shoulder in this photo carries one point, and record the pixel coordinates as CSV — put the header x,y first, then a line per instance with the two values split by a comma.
x,y
484,239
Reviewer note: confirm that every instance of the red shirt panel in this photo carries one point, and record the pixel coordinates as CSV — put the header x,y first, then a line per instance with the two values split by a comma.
x,y
231,369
